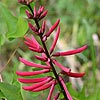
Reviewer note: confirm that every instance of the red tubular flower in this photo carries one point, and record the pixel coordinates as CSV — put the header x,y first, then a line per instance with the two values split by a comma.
x,y
41,58
55,40
33,44
51,30
40,11
35,12
43,14
51,91
31,64
43,26
34,86
65,88
33,28
44,87
32,80
71,52
76,75
32,73
29,15
65,69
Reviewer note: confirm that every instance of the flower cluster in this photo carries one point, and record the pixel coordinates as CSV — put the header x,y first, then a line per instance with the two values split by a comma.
x,y
47,56
25,2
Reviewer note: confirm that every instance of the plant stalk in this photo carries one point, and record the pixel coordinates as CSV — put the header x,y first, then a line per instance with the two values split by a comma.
x,y
48,56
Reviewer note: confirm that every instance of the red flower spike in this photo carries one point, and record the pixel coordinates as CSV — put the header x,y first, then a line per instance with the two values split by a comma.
x,y
29,15
76,75
44,87
31,80
41,58
51,91
56,96
44,83
31,64
34,29
34,86
65,69
55,40
65,88
43,14
39,50
71,52
32,73
51,30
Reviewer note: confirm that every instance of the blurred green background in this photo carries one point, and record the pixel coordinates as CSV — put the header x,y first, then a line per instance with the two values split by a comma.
x,y
80,24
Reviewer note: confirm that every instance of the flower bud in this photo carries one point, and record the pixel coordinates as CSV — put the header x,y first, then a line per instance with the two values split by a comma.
x,y
40,11
55,40
25,2
33,44
43,14
29,15
53,27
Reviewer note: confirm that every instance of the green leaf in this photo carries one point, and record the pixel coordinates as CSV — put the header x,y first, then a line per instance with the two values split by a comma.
x,y
81,95
11,92
16,27
8,18
22,27
1,95
1,39
95,95
23,9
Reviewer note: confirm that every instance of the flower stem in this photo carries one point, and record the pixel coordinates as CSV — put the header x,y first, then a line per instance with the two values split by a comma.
x,y
48,56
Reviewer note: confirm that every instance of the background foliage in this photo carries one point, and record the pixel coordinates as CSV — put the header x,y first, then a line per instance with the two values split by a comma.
x,y
80,24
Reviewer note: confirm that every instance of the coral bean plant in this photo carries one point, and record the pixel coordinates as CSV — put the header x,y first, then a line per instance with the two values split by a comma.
x,y
47,55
